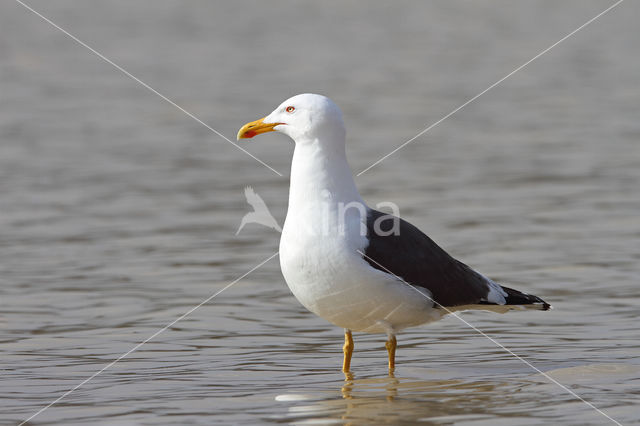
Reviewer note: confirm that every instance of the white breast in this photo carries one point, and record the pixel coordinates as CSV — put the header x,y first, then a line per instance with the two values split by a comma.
x,y
320,253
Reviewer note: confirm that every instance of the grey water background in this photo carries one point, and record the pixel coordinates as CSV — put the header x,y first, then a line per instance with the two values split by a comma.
x,y
118,212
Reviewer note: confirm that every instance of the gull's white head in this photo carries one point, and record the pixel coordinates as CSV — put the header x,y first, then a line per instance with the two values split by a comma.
x,y
304,118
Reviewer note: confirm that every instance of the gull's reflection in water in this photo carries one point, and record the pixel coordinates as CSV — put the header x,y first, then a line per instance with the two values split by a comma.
x,y
397,400
390,385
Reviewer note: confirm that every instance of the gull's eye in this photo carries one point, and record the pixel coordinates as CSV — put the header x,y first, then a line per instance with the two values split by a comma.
x,y
290,109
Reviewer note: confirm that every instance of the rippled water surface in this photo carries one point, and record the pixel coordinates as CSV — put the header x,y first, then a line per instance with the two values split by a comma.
x,y
118,212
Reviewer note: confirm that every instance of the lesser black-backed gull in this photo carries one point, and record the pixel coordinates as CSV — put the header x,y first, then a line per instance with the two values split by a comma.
x,y
356,267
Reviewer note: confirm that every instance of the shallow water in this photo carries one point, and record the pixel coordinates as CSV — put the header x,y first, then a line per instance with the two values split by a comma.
x,y
119,212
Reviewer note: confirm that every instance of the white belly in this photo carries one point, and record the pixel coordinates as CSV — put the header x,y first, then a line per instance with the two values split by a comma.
x,y
331,279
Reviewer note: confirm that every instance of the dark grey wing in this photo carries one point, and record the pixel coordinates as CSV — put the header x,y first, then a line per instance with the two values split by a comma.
x,y
417,259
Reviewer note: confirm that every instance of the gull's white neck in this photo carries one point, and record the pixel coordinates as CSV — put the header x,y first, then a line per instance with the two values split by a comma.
x,y
320,175
326,216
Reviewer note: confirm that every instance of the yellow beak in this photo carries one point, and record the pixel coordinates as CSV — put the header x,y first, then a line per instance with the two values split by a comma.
x,y
254,128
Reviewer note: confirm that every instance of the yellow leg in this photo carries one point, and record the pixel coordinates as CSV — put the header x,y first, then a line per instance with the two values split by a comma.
x,y
391,348
348,351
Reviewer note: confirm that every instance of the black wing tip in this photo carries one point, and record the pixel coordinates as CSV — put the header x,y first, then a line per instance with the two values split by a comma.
x,y
541,305
515,297
544,306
